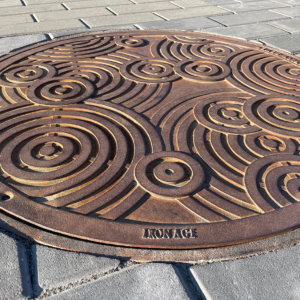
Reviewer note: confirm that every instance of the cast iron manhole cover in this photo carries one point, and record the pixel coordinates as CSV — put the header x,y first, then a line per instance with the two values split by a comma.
x,y
161,140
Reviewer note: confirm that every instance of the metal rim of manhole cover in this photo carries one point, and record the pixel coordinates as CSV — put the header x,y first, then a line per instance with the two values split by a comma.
x,y
151,140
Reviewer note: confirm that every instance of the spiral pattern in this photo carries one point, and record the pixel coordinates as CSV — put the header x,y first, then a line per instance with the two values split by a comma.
x,y
52,153
165,129
262,143
22,75
266,74
78,48
277,177
149,70
189,40
216,50
60,89
129,42
275,114
202,70
223,115
175,175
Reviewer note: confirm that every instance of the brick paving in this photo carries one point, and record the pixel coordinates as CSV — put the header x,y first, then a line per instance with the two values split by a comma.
x,y
29,271
265,21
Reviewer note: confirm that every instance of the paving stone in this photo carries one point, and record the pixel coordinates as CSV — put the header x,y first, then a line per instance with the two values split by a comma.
x,y
288,42
15,10
90,31
248,18
202,11
146,1
190,3
245,1
120,20
249,31
55,268
290,11
95,3
290,25
142,282
10,43
145,7
181,24
30,2
73,14
38,27
275,275
5,3
220,2
251,6
7,20
14,272
290,2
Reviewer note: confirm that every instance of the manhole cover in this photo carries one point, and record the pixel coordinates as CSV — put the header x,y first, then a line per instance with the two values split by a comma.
x,y
160,140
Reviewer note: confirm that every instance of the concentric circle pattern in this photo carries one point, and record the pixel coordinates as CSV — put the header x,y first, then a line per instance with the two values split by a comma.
x,y
151,139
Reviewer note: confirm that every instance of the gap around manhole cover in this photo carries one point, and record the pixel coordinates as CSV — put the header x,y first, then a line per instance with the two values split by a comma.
x,y
151,139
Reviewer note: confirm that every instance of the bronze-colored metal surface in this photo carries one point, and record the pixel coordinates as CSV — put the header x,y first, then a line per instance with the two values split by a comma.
x,y
151,139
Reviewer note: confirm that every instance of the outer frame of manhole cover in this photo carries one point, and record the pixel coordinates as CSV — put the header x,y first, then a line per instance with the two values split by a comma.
x,y
151,140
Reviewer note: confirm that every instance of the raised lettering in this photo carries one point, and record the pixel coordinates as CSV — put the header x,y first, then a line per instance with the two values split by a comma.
x,y
177,234
159,233
146,233
186,233
194,233
168,233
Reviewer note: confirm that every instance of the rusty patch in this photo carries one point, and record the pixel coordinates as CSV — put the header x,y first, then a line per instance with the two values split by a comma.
x,y
160,140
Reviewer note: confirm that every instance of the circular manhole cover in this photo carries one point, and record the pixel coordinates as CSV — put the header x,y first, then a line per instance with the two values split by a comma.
x,y
159,140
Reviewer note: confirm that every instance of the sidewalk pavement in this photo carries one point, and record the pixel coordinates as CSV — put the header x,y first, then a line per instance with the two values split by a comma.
x,y
31,271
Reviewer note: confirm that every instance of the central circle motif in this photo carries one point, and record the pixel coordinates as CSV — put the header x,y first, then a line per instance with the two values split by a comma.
x,y
188,175
169,173
47,150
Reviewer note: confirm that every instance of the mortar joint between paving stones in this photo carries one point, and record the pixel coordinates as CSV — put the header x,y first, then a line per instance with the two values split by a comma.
x,y
50,292
85,23
65,6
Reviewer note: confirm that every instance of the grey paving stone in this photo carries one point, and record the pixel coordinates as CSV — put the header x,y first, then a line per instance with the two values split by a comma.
x,y
5,3
143,282
290,2
147,1
30,2
245,1
190,3
290,11
7,20
40,27
10,43
275,275
56,268
90,31
202,11
14,272
290,25
181,24
95,3
288,42
248,18
144,7
16,10
220,2
249,31
251,6
72,14
120,20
